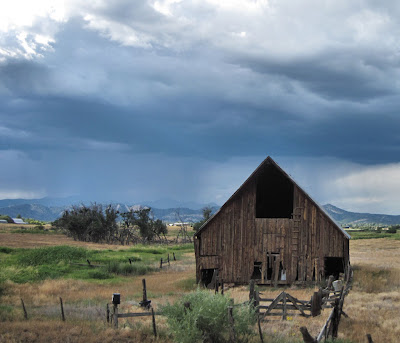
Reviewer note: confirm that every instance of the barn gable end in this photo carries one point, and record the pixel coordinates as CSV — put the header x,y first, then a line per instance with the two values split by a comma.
x,y
272,231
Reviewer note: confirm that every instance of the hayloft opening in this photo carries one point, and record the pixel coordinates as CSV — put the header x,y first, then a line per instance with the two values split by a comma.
x,y
334,266
274,197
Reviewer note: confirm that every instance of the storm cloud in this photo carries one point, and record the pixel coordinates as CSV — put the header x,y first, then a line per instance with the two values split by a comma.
x,y
151,99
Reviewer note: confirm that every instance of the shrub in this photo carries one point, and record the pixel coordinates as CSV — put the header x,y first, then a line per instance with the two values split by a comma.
x,y
6,250
121,268
202,316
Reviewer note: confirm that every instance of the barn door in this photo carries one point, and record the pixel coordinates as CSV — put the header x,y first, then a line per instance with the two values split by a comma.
x,y
273,268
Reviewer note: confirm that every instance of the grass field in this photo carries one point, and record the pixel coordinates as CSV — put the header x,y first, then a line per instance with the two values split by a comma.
x,y
41,276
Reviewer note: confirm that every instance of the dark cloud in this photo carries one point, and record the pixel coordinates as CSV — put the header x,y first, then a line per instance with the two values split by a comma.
x,y
126,103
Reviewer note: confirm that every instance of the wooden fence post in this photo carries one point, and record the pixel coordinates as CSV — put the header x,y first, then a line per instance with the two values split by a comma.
x,y
154,322
232,334
284,311
173,254
369,338
259,328
257,300
108,313
222,286
161,262
115,316
168,259
316,303
144,291
23,307
251,293
62,310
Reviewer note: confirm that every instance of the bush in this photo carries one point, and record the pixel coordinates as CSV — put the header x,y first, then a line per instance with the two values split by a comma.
x,y
121,268
6,250
202,316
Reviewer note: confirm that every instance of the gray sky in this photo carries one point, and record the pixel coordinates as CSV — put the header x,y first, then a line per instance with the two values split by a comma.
x,y
140,100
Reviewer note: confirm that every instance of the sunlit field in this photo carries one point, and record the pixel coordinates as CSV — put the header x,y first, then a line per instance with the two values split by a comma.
x,y
373,304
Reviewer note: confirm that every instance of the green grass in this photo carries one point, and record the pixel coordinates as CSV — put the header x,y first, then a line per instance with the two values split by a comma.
x,y
372,234
32,265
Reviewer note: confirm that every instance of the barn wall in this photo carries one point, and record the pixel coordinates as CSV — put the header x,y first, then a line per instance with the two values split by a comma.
x,y
234,239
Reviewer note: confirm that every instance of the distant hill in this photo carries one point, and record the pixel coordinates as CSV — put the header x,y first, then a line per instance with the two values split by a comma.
x,y
51,213
43,209
354,218
35,211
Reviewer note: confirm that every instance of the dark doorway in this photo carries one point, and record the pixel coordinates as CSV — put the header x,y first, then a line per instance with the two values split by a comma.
x,y
257,271
274,197
334,266
207,276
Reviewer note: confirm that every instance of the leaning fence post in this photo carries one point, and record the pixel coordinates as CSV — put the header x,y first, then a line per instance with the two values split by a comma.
x,y
154,322
23,307
259,328
62,310
369,338
173,254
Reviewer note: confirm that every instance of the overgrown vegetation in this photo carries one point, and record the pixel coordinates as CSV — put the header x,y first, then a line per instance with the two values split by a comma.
x,y
31,265
201,316
95,224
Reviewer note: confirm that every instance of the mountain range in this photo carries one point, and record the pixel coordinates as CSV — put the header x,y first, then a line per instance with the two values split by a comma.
x,y
49,209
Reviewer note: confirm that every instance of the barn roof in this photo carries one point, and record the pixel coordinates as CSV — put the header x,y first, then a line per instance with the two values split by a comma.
x,y
18,221
255,172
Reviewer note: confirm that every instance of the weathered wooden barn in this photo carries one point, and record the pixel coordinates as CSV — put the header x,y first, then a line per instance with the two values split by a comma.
x,y
270,230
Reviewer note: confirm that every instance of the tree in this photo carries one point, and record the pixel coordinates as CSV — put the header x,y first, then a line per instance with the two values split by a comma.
x,y
89,223
143,220
207,211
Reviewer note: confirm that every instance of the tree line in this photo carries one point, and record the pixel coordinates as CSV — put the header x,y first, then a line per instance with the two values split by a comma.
x,y
96,223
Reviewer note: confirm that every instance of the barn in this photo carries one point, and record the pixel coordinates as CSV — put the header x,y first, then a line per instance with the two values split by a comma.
x,y
271,231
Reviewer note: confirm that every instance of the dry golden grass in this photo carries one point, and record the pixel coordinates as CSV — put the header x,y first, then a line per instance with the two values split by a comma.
x,y
30,240
373,305
50,331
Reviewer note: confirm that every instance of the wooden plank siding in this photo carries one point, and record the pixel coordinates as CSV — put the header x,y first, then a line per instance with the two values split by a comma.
x,y
234,239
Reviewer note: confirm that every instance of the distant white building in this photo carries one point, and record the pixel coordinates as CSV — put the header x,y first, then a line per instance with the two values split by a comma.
x,y
18,221
3,221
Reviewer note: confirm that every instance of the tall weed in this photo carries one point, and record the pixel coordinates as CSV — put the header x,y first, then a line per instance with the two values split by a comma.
x,y
52,255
